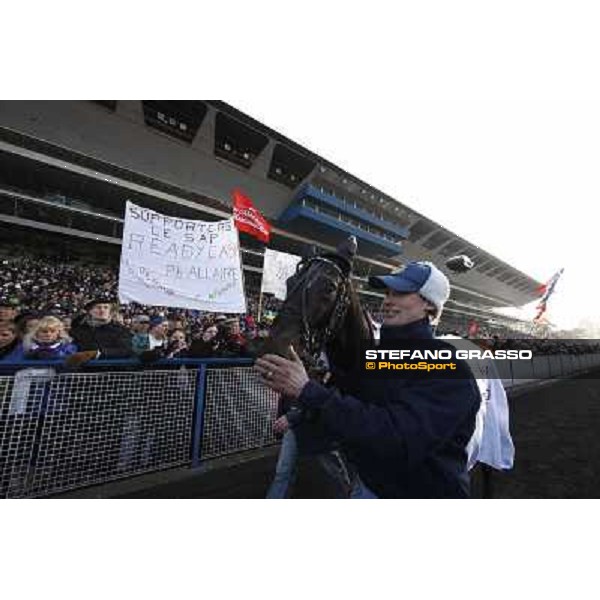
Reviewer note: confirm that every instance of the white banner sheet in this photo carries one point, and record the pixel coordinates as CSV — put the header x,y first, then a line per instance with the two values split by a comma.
x,y
182,263
277,267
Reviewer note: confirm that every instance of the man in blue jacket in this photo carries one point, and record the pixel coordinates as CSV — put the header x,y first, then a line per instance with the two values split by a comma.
x,y
406,437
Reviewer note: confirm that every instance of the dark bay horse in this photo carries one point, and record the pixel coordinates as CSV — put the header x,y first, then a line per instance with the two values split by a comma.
x,y
322,312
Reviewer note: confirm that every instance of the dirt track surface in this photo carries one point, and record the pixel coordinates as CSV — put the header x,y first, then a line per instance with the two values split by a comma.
x,y
556,431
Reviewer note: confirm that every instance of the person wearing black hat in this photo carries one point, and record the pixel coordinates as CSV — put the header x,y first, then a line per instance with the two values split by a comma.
x,y
98,336
407,437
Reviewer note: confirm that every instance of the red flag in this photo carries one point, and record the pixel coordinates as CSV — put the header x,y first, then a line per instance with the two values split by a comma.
x,y
248,218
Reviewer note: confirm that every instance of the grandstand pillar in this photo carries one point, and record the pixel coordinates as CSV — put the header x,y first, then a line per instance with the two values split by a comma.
x,y
205,136
131,110
261,163
309,177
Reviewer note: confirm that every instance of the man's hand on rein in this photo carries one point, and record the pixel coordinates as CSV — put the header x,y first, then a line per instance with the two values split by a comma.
x,y
288,377
281,425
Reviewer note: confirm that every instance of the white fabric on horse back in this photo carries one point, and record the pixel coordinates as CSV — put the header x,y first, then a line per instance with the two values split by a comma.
x,y
491,442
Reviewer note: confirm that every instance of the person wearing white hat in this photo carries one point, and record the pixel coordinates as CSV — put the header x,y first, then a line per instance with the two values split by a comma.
x,y
407,437
418,291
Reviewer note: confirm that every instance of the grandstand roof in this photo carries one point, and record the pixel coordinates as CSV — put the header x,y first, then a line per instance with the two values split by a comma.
x,y
188,155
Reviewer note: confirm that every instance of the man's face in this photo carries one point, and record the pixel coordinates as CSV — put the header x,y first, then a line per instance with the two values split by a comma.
x,y
401,308
141,327
209,333
100,312
6,337
233,328
7,313
178,337
159,331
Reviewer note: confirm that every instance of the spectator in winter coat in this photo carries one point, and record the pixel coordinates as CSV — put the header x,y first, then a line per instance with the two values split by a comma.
x,y
11,349
8,311
48,341
234,343
206,345
177,346
155,338
98,336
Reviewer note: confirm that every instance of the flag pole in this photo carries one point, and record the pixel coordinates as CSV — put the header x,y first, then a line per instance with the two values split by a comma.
x,y
259,307
242,269
260,295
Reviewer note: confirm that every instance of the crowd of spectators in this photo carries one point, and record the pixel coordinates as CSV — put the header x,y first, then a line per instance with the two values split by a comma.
x,y
53,308
101,330
548,346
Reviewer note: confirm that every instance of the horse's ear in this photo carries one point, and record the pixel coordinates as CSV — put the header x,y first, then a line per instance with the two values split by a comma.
x,y
347,248
311,252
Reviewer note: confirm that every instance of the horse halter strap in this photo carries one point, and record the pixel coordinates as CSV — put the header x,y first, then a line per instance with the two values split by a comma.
x,y
315,340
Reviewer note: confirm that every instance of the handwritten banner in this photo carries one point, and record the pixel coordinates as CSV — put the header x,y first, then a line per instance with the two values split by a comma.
x,y
277,267
168,261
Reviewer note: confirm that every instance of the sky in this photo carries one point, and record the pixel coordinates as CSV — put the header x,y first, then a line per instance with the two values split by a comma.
x,y
484,116
492,131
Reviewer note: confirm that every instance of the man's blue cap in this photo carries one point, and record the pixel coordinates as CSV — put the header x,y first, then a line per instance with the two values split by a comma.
x,y
409,279
422,277
155,321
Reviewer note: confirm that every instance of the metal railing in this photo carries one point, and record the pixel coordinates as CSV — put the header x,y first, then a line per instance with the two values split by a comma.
x,y
62,430
514,373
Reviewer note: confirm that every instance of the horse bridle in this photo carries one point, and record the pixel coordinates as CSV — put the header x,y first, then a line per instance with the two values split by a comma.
x,y
315,340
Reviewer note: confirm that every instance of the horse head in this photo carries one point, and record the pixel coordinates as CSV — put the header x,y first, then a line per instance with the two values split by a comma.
x,y
319,296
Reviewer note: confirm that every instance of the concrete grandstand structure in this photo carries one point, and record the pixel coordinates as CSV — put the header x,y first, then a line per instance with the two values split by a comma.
x,y
67,168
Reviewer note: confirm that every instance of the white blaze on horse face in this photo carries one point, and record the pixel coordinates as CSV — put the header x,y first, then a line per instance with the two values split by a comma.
x,y
401,308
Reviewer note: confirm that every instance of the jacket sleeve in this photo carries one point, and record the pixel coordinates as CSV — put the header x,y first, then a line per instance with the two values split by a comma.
x,y
17,354
414,421
295,415
139,344
69,349
201,349
83,340
120,351
118,346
